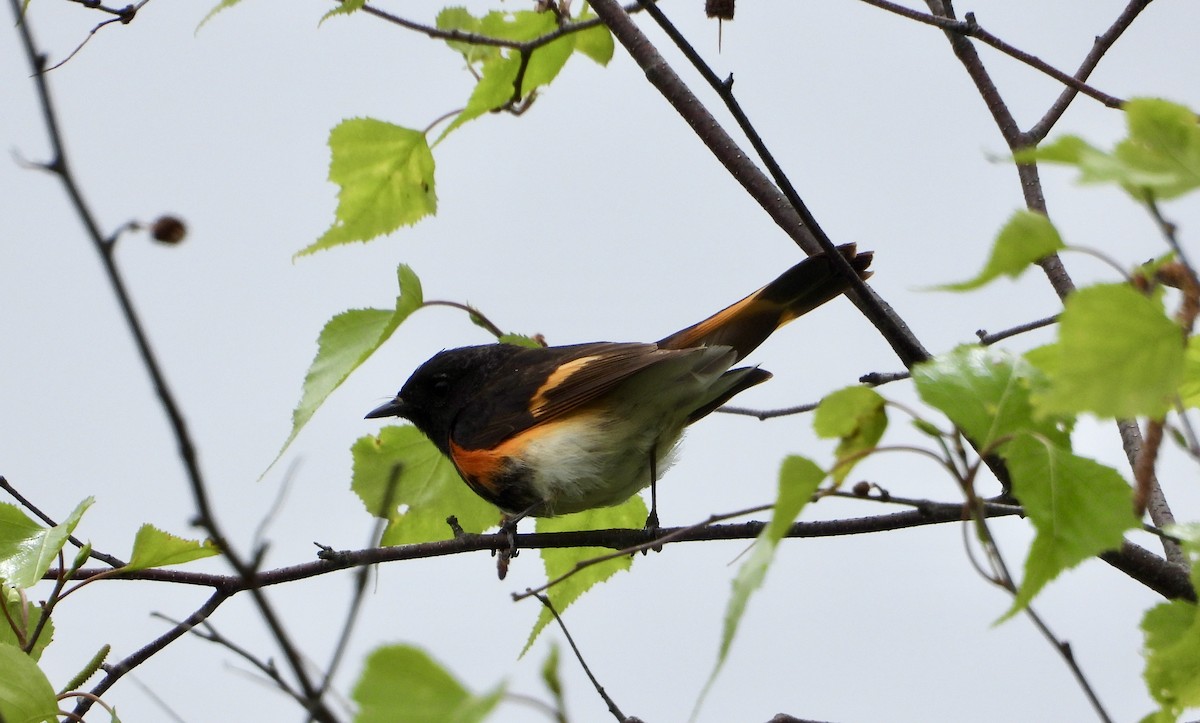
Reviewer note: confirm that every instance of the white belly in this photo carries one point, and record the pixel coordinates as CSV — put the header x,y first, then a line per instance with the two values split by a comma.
x,y
588,462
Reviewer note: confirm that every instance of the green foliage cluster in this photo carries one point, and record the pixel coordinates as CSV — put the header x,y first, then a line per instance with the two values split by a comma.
x,y
385,172
27,551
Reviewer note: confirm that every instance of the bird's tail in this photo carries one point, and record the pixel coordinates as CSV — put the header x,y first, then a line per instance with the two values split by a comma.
x,y
747,323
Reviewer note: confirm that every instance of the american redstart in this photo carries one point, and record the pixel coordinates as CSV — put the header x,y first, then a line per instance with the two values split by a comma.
x,y
553,430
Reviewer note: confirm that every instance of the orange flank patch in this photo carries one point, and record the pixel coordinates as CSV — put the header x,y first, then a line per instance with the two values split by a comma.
x,y
480,466
483,468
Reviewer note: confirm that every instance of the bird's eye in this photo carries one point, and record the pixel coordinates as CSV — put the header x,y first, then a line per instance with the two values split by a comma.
x,y
441,385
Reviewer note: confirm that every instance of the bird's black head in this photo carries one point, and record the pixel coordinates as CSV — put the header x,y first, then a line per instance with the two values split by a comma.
x,y
438,390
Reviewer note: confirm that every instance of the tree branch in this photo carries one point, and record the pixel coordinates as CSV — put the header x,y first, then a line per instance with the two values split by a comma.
x,y
1167,579
94,554
1103,42
1035,200
612,704
969,27
113,673
789,211
461,36
105,248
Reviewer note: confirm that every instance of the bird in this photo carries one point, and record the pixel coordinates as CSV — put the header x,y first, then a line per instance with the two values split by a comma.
x,y
553,430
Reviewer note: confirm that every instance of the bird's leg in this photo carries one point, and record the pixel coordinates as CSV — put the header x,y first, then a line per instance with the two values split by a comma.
x,y
652,518
508,526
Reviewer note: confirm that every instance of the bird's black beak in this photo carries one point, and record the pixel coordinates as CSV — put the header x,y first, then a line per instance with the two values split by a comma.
x,y
394,408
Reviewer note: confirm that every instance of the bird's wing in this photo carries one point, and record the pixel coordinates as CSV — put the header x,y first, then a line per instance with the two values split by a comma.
x,y
547,384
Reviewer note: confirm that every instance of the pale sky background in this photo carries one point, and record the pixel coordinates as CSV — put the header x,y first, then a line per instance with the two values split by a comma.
x,y
597,215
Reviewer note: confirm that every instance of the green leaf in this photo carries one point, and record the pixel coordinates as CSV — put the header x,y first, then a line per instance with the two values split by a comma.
x,y
553,681
154,548
500,69
348,340
1025,238
986,393
858,417
223,5
521,26
457,18
928,428
596,43
546,62
629,514
426,490
26,696
27,549
24,616
1189,388
1172,641
520,340
1118,355
344,7
1172,650
385,173
1162,150
1078,507
1160,158
494,89
402,684
1095,166
799,479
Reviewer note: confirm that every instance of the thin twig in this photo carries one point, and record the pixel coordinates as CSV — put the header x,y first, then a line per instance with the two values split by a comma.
x,y
88,697
361,579
48,607
765,414
876,379
1100,47
207,631
1031,188
986,339
258,540
126,11
1187,431
124,16
1004,579
158,700
114,672
1167,579
1064,650
654,544
970,27
994,509
461,36
60,166
476,315
102,557
808,234
612,705
1170,234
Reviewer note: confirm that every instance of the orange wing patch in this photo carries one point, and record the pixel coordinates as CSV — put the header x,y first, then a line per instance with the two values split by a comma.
x,y
538,404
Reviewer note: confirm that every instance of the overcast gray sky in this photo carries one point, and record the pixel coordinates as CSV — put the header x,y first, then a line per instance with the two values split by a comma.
x,y
597,215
